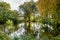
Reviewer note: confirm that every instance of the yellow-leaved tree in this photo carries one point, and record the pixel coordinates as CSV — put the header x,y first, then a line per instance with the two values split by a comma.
x,y
49,11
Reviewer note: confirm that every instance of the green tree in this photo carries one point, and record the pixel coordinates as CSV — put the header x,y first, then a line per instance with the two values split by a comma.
x,y
29,8
7,14
4,8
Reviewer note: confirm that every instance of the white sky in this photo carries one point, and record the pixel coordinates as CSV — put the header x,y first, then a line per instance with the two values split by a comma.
x,y
15,3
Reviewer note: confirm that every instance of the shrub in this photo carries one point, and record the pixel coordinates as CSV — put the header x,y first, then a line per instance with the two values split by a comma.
x,y
57,37
24,37
4,36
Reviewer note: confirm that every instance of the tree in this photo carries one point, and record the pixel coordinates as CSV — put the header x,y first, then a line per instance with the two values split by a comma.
x,y
7,14
29,9
4,8
49,9
4,5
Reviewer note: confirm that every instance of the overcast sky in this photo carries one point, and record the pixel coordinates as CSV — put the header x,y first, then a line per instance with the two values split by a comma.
x,y
15,3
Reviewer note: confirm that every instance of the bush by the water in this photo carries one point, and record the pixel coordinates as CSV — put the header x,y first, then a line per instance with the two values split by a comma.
x,y
4,36
24,37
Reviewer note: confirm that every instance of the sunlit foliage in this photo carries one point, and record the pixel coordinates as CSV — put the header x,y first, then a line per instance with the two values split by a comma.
x,y
29,9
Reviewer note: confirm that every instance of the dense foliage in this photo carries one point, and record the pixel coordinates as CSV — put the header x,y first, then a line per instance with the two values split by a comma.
x,y
29,9
41,20
8,17
4,36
